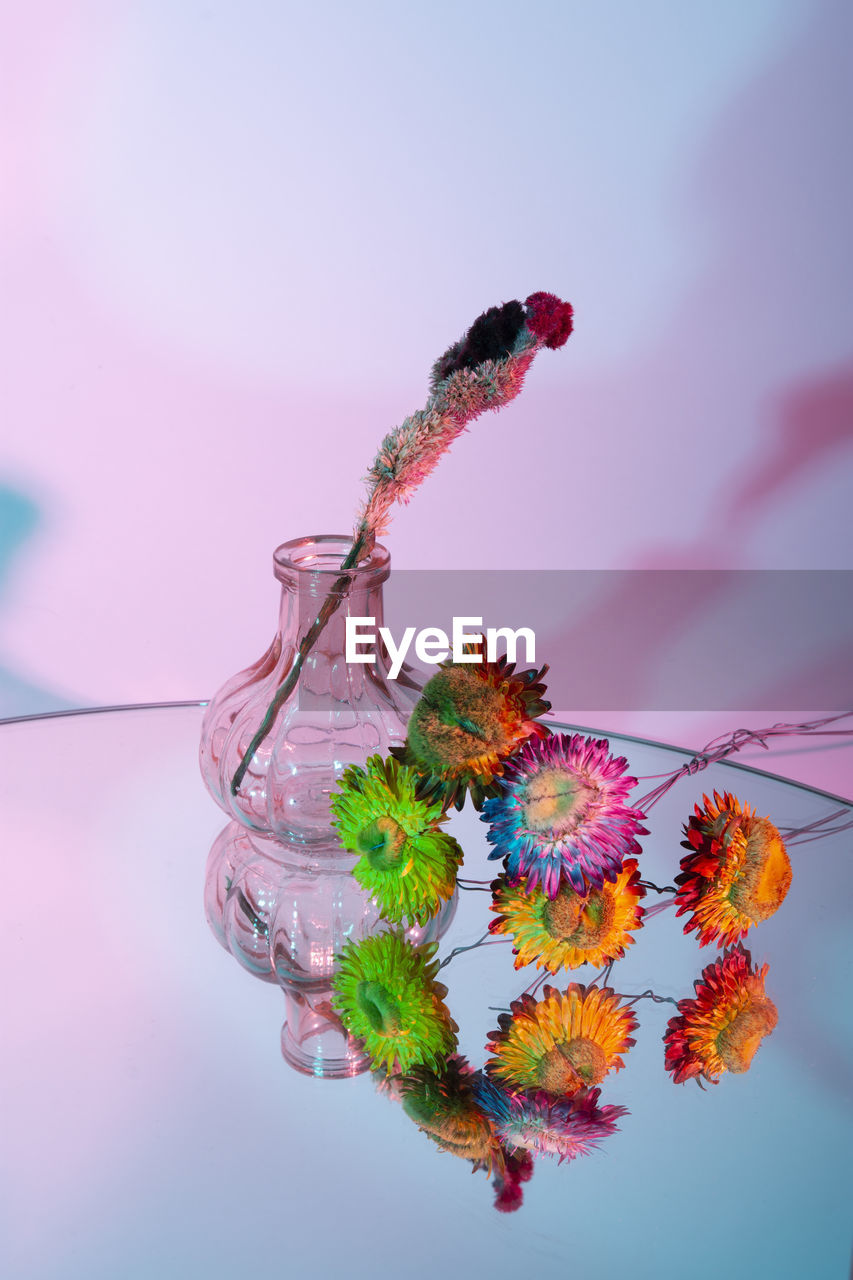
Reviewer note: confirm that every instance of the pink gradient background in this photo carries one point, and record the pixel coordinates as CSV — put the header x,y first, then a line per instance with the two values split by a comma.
x,y
235,237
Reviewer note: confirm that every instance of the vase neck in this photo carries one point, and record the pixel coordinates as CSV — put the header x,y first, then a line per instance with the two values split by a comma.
x,y
309,572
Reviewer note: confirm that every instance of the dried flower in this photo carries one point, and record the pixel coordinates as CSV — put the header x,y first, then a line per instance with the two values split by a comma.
x,y
571,929
721,1028
518,1169
550,319
736,874
407,862
562,811
484,370
562,1043
469,719
492,336
387,996
538,1123
444,1105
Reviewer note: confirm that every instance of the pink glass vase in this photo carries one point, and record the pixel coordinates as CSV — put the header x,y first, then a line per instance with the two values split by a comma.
x,y
339,713
279,895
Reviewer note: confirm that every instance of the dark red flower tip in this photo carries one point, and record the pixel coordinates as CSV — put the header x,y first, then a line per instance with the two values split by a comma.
x,y
509,1197
549,318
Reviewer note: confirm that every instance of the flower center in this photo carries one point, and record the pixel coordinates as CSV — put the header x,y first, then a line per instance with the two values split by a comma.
x,y
557,802
383,842
737,1043
380,1007
561,915
454,1123
595,921
761,887
459,720
571,1066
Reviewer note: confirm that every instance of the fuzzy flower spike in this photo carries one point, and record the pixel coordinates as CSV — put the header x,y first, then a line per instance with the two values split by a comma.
x,y
562,812
407,863
484,370
736,874
467,722
721,1028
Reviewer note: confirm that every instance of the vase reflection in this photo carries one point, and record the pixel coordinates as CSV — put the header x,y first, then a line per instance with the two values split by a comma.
x,y
285,914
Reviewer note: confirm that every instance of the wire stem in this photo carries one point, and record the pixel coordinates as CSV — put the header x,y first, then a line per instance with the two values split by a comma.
x,y
485,941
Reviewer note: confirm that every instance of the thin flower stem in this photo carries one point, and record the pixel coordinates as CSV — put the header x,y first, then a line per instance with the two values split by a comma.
x,y
472,946
252,916
536,984
658,908
819,828
722,747
820,835
666,888
646,995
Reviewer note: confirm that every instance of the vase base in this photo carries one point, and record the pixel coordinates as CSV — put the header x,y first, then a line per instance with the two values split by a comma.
x,y
314,1042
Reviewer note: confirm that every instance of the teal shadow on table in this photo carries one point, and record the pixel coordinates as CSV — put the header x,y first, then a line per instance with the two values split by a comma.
x,y
19,518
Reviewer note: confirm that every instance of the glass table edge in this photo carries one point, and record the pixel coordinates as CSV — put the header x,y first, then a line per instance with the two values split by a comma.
x,y
560,726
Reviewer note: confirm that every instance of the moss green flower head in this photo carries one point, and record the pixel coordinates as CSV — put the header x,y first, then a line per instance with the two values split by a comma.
x,y
387,996
469,720
443,1105
407,863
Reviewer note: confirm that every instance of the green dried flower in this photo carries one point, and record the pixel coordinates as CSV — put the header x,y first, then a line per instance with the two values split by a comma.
x,y
406,862
387,997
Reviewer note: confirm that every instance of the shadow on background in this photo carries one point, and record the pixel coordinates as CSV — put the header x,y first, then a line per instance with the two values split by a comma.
x,y
815,422
19,518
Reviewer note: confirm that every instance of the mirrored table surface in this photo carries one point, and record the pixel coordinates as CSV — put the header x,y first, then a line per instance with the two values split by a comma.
x,y
151,1127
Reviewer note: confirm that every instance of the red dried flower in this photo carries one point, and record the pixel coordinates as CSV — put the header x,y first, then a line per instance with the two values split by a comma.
x,y
549,318
721,1028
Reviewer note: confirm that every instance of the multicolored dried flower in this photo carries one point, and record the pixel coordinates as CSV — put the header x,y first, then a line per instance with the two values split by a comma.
x,y
736,874
543,1125
721,1028
561,1043
484,370
469,719
444,1105
562,812
570,929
